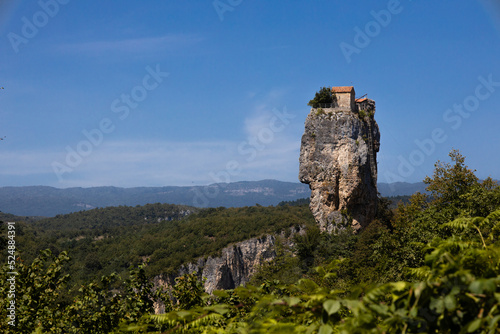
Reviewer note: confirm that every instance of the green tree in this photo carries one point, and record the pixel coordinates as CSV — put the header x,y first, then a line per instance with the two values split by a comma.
x,y
3,239
324,95
450,183
138,295
306,244
37,289
188,292
456,292
95,310
98,308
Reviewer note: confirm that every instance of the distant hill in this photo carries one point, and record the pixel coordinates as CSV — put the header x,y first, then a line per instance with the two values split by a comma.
x,y
400,188
50,201
8,217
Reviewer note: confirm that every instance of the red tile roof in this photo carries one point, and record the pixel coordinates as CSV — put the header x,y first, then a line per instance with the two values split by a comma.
x,y
343,89
362,99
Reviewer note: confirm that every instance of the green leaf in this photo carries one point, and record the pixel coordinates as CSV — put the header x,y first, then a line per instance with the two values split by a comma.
x,y
399,286
494,322
331,306
450,303
184,314
325,329
482,286
321,271
474,325
292,301
380,309
218,308
437,304
307,285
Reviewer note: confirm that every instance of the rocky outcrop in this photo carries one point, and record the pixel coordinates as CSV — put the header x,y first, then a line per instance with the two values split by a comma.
x,y
234,267
236,264
338,161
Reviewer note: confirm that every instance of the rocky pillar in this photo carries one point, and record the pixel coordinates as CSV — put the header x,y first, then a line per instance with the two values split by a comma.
x,y
338,161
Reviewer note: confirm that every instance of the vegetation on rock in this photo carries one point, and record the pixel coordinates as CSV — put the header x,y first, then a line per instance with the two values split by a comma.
x,y
323,96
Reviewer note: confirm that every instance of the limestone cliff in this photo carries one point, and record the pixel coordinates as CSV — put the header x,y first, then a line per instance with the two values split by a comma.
x,y
234,267
338,161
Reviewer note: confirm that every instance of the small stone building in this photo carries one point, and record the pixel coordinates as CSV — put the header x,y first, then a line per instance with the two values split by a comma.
x,y
345,97
365,104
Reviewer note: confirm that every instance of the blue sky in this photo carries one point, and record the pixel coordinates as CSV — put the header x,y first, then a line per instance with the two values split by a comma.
x,y
155,93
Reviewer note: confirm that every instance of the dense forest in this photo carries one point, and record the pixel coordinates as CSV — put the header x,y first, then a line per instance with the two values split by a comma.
x,y
111,240
430,265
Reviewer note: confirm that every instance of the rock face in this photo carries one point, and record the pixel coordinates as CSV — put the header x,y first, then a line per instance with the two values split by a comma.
x,y
233,268
236,264
338,161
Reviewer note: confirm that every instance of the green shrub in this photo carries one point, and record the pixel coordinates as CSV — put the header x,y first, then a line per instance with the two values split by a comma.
x,y
320,112
324,95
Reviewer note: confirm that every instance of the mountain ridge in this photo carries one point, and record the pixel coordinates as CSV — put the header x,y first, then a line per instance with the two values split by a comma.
x,y
50,201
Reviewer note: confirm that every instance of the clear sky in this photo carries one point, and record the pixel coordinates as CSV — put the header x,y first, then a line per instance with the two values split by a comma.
x,y
154,93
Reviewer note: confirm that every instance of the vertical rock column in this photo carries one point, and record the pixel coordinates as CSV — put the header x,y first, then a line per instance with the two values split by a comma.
x,y
338,159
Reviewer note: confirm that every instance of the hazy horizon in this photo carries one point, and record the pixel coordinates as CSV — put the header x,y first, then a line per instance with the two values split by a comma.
x,y
181,186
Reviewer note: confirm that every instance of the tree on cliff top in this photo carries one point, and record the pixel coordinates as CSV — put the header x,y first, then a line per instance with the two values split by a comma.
x,y
324,95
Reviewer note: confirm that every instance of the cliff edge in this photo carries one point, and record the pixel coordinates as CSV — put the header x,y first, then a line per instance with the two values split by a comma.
x,y
338,159
234,267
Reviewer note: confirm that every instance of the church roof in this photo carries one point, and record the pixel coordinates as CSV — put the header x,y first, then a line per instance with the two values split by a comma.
x,y
343,89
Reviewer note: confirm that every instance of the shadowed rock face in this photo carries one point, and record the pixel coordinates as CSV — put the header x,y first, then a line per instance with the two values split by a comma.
x,y
338,161
234,267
